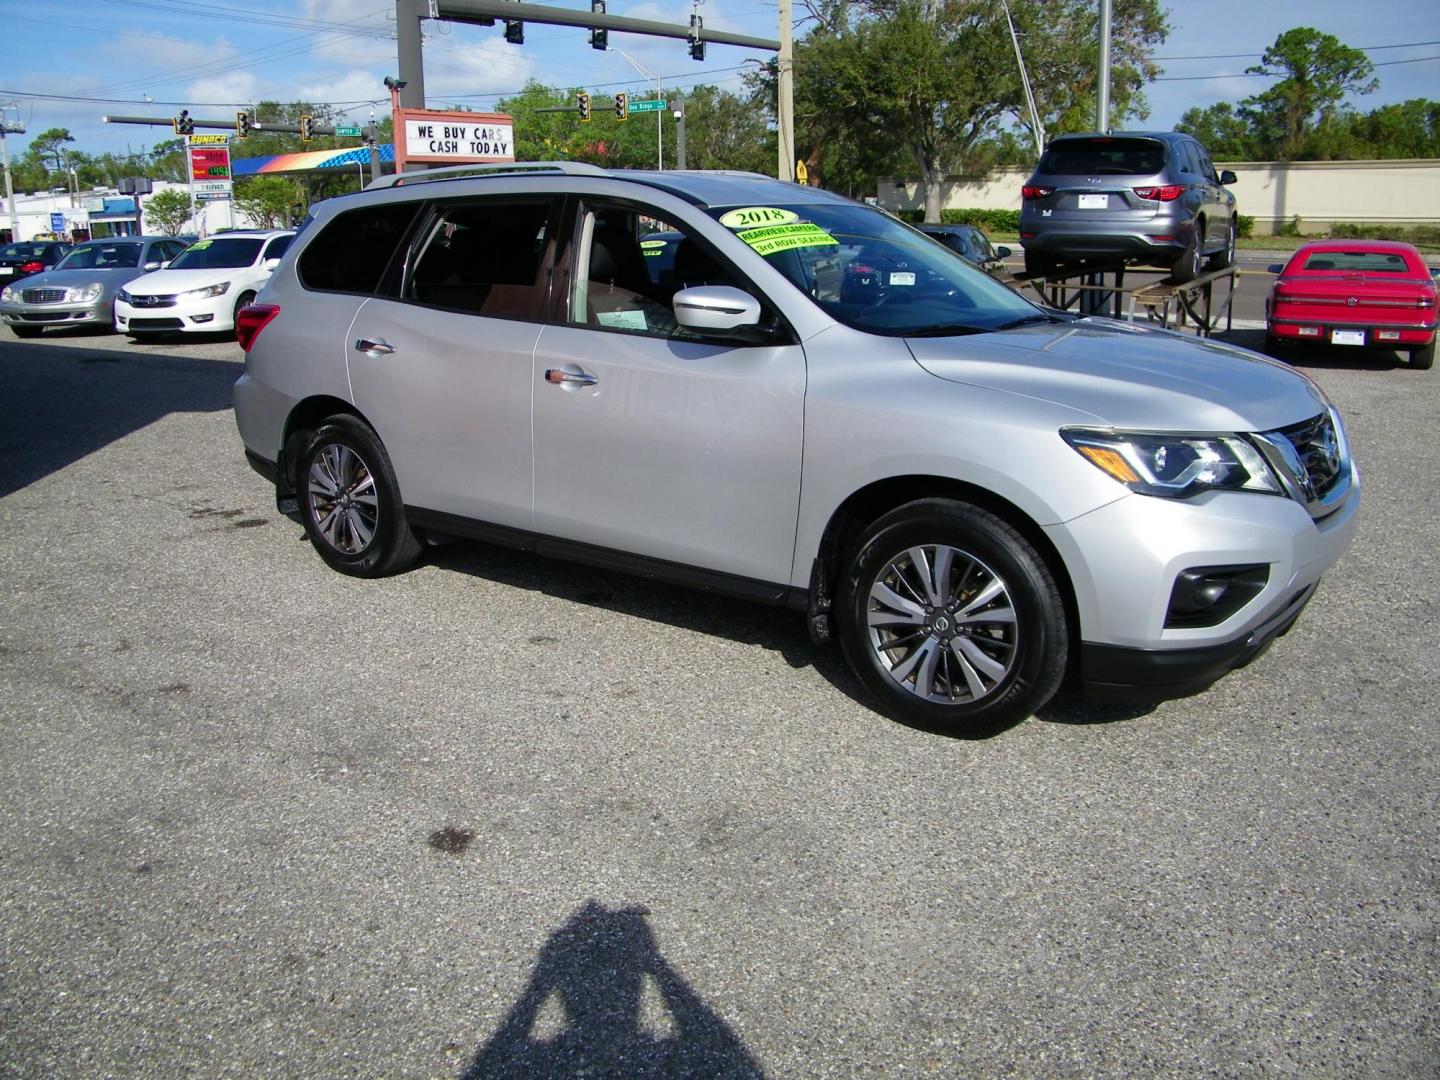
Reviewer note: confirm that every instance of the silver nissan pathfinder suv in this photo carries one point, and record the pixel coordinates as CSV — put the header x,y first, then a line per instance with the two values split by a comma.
x,y
771,391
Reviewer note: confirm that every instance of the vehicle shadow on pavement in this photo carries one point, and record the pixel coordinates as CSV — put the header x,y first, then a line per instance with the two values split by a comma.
x,y
1322,357
59,403
602,1001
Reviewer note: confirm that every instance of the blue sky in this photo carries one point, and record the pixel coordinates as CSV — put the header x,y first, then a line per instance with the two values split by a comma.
x,y
216,54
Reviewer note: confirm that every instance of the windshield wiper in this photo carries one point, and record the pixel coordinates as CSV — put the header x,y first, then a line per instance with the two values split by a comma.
x,y
946,330
1030,320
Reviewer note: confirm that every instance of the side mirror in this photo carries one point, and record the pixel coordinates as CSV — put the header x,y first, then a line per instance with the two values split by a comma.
x,y
165,265
1228,177
1275,268
269,265
1003,252
715,307
154,266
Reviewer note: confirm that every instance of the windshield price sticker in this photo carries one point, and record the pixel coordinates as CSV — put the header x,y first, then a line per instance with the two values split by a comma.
x,y
652,247
776,238
201,245
752,216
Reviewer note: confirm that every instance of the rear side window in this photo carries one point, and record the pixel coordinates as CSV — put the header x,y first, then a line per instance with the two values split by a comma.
x,y
1104,157
1369,262
485,259
352,252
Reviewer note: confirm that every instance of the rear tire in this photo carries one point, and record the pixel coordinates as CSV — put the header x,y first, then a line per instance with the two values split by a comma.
x,y
951,619
1423,358
350,502
1192,259
26,331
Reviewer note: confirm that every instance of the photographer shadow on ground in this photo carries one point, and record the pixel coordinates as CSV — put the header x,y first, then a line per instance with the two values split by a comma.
x,y
602,1001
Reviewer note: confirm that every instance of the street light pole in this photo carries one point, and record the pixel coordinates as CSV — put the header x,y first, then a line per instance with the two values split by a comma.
x,y
9,188
1035,128
659,113
1102,104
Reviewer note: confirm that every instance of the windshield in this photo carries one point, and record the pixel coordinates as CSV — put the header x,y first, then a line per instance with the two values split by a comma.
x,y
875,273
101,257
218,254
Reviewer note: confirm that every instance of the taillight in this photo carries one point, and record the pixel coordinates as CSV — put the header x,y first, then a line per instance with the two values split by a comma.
x,y
31,267
1164,193
1426,300
249,321
1030,191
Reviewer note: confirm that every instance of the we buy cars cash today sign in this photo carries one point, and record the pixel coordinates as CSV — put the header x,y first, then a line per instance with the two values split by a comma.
x,y
454,138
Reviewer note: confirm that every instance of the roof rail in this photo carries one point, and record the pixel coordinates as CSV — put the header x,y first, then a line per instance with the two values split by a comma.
x,y
449,172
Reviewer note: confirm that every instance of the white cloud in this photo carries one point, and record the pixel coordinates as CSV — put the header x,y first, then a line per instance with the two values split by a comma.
x,y
239,87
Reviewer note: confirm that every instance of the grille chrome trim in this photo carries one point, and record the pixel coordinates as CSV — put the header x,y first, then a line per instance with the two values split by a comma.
x,y
151,300
43,295
1312,459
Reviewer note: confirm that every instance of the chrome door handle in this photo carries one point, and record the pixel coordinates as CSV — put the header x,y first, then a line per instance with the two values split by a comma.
x,y
378,347
560,377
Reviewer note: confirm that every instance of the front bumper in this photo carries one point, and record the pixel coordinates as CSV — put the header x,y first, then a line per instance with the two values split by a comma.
x,y
1125,558
207,315
65,314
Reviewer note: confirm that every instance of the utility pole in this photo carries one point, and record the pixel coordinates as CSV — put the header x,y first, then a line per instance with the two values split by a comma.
x,y
785,97
680,129
11,129
1102,103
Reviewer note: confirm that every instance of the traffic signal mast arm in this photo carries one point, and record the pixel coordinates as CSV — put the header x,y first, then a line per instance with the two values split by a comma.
x,y
223,125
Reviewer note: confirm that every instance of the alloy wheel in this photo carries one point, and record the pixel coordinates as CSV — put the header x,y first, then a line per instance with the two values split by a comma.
x,y
942,624
343,504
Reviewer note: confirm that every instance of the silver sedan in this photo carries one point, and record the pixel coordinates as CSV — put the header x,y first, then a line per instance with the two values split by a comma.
x,y
81,290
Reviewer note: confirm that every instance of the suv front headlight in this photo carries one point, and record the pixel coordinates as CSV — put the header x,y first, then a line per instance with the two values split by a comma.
x,y
1175,466
83,294
209,290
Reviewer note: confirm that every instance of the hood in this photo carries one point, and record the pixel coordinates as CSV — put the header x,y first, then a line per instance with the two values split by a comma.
x,y
1130,377
111,277
168,282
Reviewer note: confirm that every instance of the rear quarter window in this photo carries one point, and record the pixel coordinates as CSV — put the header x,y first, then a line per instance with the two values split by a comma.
x,y
353,251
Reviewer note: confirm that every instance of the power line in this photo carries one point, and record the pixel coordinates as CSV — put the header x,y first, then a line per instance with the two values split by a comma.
x,y
1251,55
1265,75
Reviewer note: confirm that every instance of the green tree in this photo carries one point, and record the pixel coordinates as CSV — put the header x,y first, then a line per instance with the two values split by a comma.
x,y
1223,132
724,130
266,200
48,148
166,211
1316,71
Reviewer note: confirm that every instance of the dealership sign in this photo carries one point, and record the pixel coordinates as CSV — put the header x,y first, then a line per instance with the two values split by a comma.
x,y
453,138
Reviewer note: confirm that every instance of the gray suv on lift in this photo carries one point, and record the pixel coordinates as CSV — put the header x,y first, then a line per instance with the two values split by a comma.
x,y
1151,197
811,404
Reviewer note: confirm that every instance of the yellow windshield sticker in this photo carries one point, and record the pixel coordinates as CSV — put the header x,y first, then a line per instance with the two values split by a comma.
x,y
201,245
751,216
775,238
653,243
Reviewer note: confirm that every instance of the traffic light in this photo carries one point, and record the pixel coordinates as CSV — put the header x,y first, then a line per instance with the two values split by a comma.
x,y
697,45
622,106
515,31
599,39
582,102
184,124
242,124
307,128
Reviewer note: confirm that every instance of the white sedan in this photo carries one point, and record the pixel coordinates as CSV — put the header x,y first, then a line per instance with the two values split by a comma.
x,y
203,288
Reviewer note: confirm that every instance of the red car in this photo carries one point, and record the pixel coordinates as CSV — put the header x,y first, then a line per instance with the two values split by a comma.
x,y
1370,293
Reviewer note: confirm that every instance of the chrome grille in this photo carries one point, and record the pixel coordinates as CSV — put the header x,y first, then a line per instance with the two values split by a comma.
x,y
1313,459
140,300
43,296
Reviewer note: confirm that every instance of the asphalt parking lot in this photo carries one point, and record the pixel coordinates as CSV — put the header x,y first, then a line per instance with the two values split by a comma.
x,y
507,817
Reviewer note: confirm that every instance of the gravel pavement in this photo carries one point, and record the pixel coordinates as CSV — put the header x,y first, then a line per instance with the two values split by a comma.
x,y
507,817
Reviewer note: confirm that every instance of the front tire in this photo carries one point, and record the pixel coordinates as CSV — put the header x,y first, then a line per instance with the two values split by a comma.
x,y
952,619
1226,258
245,299
350,502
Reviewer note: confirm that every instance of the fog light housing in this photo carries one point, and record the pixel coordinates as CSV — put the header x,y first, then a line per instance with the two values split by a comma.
x,y
1208,595
202,318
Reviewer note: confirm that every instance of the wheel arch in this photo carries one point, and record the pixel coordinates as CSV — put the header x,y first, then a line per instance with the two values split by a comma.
x,y
303,419
878,498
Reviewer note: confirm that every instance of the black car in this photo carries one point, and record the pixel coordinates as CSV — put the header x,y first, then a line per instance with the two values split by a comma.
x,y
26,257
970,244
